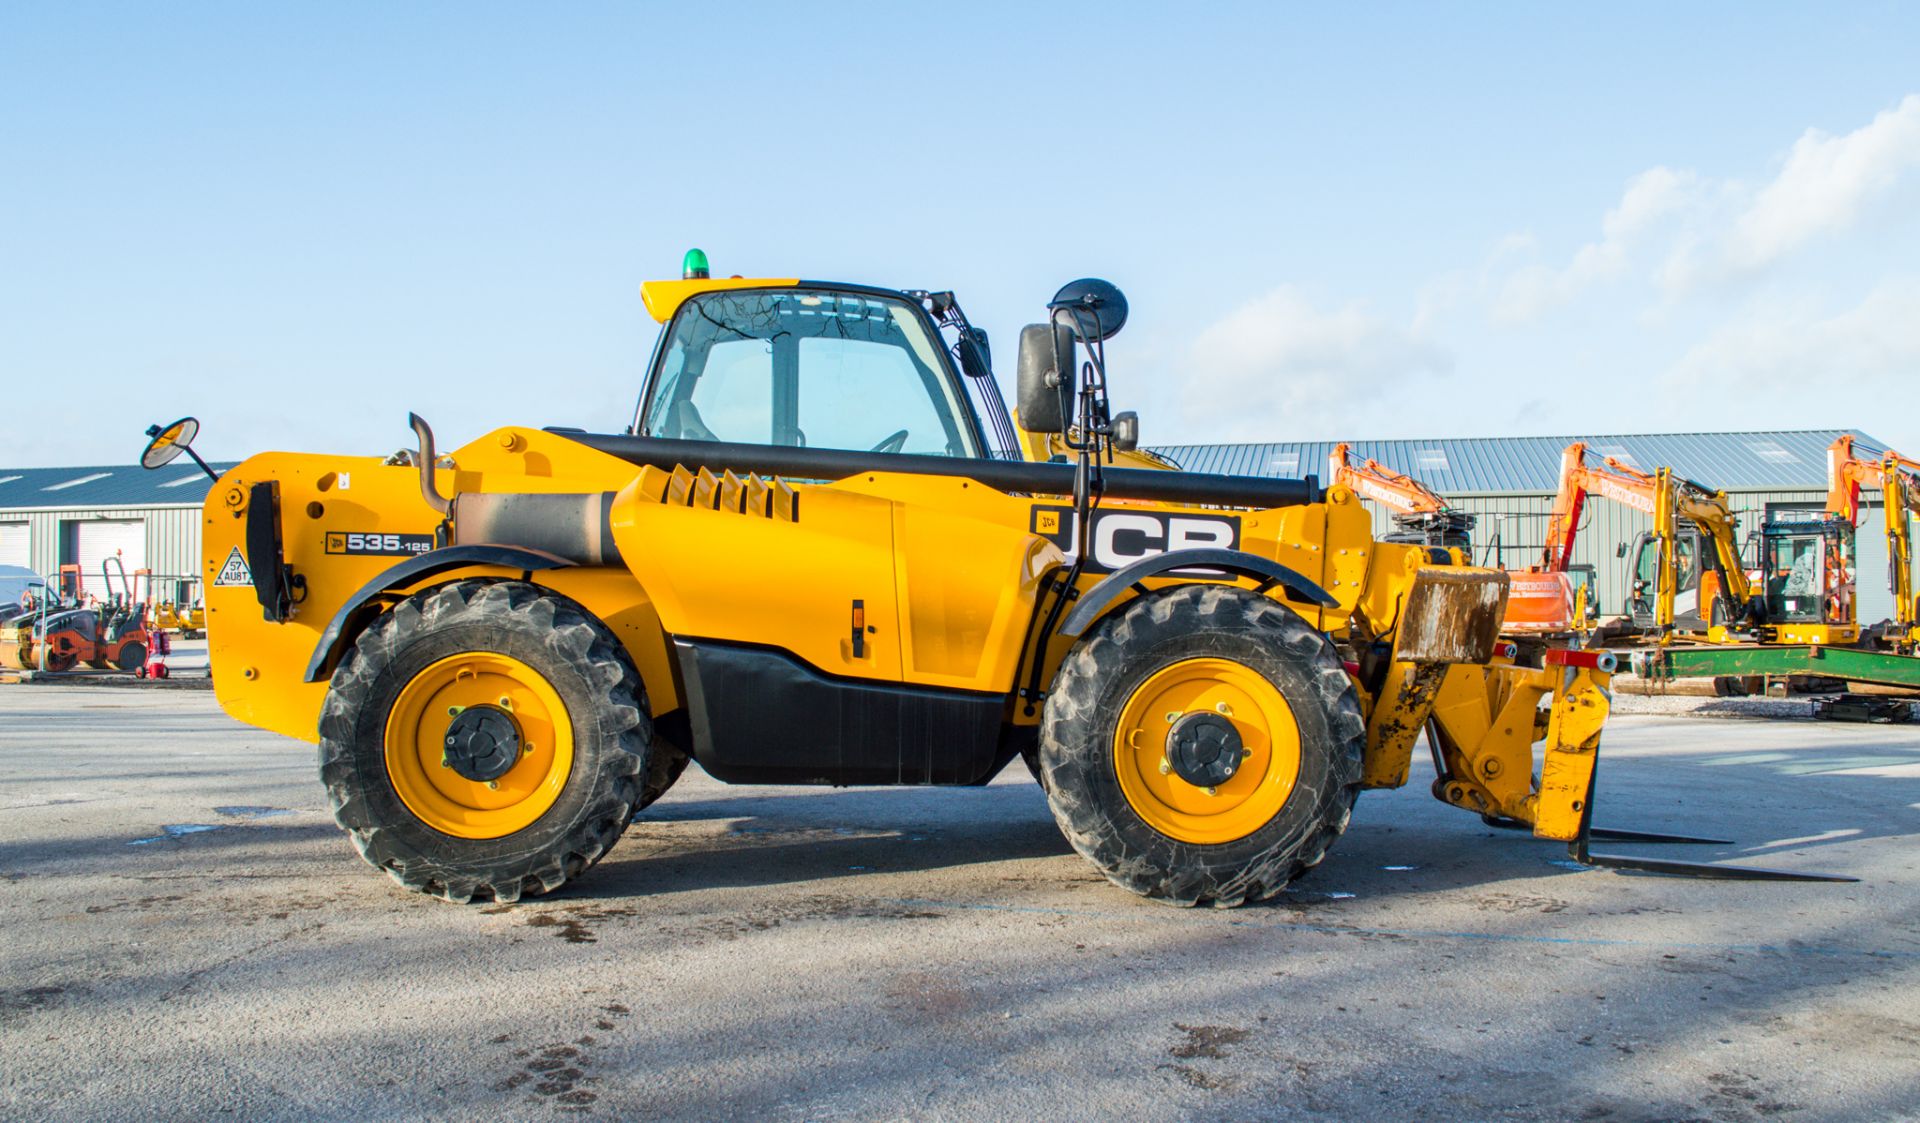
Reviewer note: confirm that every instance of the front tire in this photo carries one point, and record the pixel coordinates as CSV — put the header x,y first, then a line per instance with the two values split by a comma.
x,y
1219,656
548,772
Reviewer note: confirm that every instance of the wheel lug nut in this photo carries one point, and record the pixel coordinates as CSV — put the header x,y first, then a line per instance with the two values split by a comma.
x,y
1213,791
1173,716
1166,766
1225,710
506,703
494,784
454,711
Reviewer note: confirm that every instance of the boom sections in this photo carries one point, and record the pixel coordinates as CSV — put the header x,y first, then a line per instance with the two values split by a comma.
x,y
1398,491
1898,479
1666,497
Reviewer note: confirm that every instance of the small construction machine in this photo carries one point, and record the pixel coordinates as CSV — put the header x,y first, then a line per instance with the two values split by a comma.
x,y
57,635
1540,604
1687,578
1898,480
818,556
1707,614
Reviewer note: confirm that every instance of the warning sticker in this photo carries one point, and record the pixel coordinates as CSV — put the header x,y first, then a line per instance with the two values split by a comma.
x,y
234,571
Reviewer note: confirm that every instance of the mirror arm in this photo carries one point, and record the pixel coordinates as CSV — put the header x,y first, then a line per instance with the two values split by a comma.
x,y
211,474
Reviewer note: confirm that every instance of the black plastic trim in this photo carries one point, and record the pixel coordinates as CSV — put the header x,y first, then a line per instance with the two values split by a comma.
x,y
761,715
419,568
264,556
1005,475
1236,562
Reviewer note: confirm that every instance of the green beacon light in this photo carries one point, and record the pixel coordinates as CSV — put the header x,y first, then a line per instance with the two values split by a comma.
x,y
693,267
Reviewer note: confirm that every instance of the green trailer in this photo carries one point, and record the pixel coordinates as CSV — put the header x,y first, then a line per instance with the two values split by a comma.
x,y
1851,664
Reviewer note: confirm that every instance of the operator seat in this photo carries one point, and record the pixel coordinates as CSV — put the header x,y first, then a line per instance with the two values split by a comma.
x,y
687,424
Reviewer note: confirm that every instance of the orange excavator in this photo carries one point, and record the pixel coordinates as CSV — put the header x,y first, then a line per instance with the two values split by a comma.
x,y
1687,576
1539,603
1898,480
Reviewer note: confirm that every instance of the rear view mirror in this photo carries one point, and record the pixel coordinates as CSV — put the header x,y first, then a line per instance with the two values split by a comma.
x,y
976,359
164,446
1097,309
167,444
1046,377
1126,431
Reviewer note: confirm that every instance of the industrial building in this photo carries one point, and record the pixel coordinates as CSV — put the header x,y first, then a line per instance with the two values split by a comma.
x,y
51,517
1508,485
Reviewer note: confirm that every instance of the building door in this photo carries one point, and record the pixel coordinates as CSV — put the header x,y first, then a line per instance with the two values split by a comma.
x,y
90,542
1872,586
13,545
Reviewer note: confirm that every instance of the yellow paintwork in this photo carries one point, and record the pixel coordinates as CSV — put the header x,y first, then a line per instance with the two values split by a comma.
x,y
1252,796
1042,447
946,567
663,298
416,732
1488,719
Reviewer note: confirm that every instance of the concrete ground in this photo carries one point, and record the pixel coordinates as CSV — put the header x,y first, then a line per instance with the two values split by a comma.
x,y
187,935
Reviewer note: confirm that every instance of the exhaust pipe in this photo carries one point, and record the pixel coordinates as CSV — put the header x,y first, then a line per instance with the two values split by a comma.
x,y
428,491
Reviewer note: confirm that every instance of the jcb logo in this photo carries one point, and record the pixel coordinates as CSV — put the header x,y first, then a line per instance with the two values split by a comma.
x,y
1121,537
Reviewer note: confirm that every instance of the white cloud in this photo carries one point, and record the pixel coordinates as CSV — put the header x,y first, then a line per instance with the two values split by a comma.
x,y
1779,359
1688,231
1649,200
1279,364
1826,184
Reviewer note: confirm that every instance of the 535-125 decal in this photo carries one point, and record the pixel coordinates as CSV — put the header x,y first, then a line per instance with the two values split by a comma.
x,y
387,545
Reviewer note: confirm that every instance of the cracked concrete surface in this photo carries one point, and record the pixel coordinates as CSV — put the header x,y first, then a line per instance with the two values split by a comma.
x,y
940,953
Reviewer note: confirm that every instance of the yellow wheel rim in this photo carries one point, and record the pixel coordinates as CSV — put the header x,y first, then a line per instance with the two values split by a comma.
x,y
1252,796
416,735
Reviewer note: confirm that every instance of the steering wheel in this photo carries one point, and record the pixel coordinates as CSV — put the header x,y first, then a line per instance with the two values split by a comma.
x,y
893,443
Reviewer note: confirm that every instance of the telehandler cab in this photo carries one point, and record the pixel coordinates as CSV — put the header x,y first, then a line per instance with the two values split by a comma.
x,y
812,560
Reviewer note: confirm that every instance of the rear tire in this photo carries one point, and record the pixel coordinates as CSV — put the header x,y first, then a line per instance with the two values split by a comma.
x,y
664,766
1295,714
436,831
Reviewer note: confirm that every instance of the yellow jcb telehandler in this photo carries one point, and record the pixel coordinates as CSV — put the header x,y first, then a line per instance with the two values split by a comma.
x,y
816,556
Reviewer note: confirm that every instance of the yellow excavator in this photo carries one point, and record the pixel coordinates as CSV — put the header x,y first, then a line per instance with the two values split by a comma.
x,y
1898,480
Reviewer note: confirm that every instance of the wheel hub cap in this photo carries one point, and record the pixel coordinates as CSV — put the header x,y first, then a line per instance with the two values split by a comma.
x,y
482,743
1204,749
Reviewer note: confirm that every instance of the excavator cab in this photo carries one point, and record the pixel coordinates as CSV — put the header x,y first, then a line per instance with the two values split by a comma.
x,y
1808,568
1692,603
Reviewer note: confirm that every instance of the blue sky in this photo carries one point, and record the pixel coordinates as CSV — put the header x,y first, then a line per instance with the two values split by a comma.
x,y
300,221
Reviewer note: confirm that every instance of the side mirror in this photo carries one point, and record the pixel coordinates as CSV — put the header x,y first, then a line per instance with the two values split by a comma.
x,y
1096,309
1126,431
976,358
1046,378
165,445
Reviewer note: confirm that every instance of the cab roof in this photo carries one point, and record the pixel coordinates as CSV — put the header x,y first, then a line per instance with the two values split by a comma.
x,y
664,298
